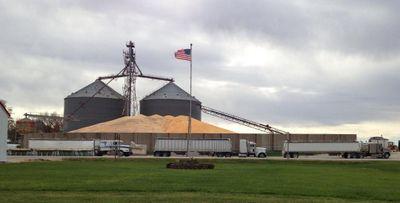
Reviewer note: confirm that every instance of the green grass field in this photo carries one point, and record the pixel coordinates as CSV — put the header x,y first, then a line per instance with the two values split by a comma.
x,y
127,180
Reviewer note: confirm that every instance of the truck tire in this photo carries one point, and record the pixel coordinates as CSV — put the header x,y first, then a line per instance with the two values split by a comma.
x,y
262,155
285,155
386,155
166,154
127,154
228,154
157,154
345,155
291,155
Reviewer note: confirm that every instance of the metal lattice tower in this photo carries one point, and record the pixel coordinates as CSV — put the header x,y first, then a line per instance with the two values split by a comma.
x,y
131,71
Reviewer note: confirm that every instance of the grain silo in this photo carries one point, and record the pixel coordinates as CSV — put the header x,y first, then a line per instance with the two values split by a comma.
x,y
170,100
82,109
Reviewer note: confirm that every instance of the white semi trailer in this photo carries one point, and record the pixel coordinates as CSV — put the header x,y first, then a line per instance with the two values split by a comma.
x,y
99,147
60,145
212,147
346,150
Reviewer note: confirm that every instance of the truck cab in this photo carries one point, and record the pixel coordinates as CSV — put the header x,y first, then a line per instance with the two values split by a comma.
x,y
102,147
248,148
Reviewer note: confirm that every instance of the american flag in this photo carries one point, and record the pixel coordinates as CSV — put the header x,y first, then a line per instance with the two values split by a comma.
x,y
183,54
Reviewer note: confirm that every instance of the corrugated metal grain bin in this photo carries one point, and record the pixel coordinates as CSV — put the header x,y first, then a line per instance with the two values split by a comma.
x,y
104,106
170,100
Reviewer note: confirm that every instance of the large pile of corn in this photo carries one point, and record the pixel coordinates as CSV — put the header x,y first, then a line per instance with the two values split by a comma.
x,y
151,124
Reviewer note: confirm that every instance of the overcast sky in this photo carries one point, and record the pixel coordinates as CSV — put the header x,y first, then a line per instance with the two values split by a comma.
x,y
303,66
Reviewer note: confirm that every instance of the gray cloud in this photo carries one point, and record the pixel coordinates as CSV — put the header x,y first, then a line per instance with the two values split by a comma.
x,y
314,62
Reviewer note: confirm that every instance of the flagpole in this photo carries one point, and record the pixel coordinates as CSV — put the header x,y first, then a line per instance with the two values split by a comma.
x,y
190,104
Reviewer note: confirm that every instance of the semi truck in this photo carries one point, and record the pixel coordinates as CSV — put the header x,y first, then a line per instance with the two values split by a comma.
x,y
102,147
212,147
248,148
345,150
99,147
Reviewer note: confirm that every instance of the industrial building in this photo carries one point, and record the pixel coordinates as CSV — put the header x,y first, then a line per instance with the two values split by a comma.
x,y
95,103
170,100
99,112
96,112
4,115
273,142
145,129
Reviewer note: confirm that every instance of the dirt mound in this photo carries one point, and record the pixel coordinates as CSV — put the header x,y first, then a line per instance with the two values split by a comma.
x,y
152,124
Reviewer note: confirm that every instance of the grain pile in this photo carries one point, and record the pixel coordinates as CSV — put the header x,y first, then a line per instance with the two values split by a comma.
x,y
152,124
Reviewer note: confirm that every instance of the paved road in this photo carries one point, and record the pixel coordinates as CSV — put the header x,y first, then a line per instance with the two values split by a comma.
x,y
323,157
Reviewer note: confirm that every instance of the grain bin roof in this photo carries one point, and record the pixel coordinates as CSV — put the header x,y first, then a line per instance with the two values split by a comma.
x,y
170,91
92,88
152,124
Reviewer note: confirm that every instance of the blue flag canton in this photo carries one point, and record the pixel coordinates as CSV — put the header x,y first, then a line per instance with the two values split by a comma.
x,y
187,51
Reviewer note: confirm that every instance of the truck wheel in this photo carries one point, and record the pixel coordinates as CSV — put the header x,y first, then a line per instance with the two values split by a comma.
x,y
291,155
157,154
262,155
126,154
219,155
285,155
228,154
386,155
354,155
345,155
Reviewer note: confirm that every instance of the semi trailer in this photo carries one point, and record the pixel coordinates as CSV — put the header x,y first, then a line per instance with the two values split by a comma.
x,y
99,147
211,147
345,150
72,145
